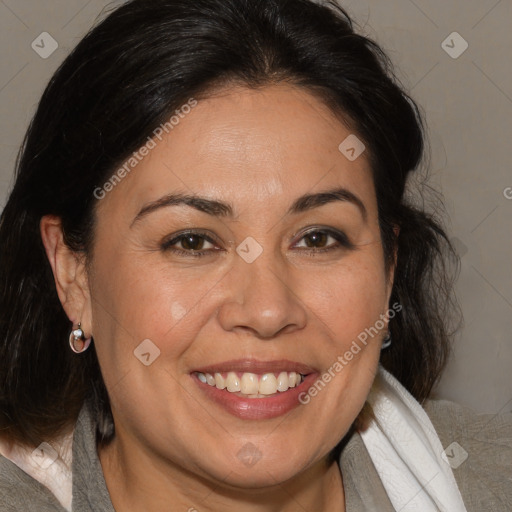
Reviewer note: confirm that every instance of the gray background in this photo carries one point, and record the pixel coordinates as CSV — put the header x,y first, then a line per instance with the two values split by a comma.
x,y
468,106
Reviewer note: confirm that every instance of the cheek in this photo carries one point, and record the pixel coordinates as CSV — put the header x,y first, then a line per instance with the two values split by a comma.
x,y
353,297
357,305
350,305
138,296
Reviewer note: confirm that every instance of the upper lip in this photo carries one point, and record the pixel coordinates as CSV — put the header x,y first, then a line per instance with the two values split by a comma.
x,y
256,366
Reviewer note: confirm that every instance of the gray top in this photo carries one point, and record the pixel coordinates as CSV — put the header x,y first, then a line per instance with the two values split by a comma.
x,y
484,478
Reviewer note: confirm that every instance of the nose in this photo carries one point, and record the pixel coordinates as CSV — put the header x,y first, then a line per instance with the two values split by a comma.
x,y
261,299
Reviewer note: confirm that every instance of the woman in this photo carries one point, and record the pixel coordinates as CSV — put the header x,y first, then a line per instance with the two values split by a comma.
x,y
214,295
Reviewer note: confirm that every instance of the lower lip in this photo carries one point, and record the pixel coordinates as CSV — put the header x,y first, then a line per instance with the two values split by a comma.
x,y
257,408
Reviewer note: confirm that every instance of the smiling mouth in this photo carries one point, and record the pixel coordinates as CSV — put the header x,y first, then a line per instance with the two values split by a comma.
x,y
252,385
254,389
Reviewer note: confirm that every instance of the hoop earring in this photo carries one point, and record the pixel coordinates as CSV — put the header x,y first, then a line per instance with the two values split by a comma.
x,y
77,340
387,341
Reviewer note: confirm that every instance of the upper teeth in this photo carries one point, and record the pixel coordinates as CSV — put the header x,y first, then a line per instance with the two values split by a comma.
x,y
252,384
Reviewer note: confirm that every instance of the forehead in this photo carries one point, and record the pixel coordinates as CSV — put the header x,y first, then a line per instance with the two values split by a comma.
x,y
248,146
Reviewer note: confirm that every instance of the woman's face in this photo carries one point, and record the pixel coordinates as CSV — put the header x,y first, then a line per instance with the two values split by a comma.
x,y
274,280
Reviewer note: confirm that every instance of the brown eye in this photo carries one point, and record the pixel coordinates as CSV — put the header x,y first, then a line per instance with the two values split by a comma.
x,y
192,242
316,239
322,240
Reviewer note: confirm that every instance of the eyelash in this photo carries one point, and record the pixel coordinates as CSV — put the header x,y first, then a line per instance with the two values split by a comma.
x,y
340,237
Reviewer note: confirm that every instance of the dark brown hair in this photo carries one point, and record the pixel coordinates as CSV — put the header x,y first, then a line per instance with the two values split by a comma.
x,y
124,79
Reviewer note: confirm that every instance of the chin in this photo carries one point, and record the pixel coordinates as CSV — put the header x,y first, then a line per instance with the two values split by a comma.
x,y
248,468
261,476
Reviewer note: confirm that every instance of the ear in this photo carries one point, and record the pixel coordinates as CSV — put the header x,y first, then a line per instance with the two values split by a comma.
x,y
69,272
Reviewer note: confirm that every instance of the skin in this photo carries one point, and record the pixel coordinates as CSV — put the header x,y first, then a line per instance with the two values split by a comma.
x,y
259,150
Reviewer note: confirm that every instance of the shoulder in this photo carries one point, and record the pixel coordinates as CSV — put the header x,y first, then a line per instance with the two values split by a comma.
x,y
478,447
19,491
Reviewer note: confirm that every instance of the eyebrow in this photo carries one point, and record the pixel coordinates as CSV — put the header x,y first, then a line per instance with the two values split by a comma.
x,y
225,210
310,201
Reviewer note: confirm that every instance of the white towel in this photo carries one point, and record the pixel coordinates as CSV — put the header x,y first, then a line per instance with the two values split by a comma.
x,y
407,452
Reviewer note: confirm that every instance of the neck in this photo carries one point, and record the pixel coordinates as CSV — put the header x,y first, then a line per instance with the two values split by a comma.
x,y
136,481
